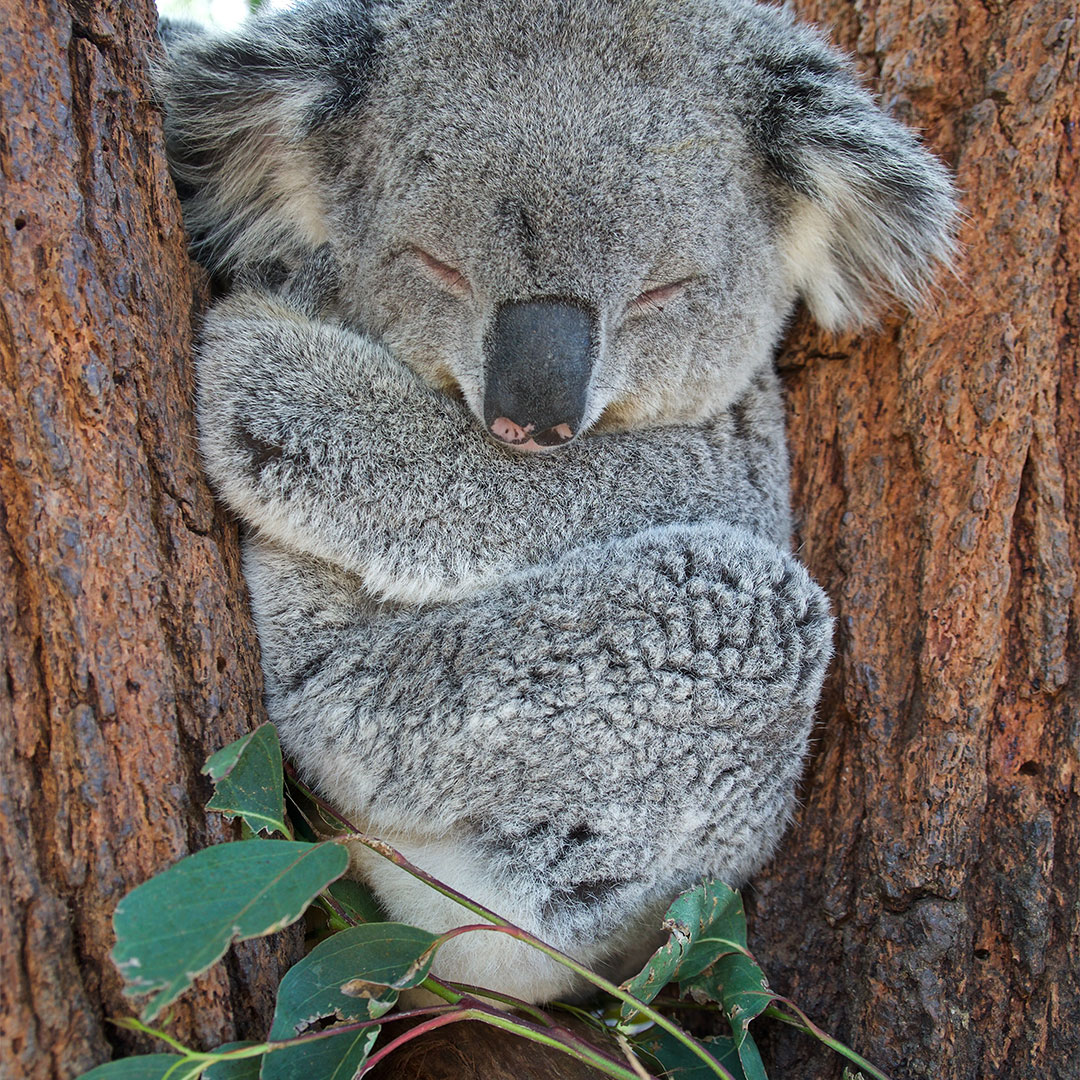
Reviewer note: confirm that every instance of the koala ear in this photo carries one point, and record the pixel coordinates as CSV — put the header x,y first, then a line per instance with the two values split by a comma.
x,y
242,114
869,212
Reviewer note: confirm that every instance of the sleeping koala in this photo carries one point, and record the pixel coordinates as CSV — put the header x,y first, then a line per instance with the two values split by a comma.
x,y
493,394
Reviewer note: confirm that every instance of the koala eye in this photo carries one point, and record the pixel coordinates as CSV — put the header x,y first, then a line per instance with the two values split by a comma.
x,y
656,299
449,276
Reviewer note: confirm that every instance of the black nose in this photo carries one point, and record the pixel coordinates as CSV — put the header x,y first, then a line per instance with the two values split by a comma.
x,y
539,358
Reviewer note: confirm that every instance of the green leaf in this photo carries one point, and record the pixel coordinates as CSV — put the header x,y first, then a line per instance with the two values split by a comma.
x,y
143,1067
703,923
238,1069
670,1058
750,1059
741,988
248,780
724,933
357,900
354,975
311,990
386,954
334,1057
176,925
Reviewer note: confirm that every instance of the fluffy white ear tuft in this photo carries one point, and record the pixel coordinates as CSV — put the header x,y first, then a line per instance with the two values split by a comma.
x,y
241,111
865,232
868,212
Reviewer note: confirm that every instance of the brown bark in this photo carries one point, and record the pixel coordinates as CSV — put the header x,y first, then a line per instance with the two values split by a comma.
x,y
127,653
926,904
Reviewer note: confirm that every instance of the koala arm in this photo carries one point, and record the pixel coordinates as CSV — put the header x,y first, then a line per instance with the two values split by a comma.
x,y
319,439
598,731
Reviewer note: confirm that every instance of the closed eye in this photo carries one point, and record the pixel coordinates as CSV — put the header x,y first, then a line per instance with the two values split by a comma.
x,y
449,276
656,299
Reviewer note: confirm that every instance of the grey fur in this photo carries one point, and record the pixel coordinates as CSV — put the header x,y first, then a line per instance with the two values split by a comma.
x,y
571,683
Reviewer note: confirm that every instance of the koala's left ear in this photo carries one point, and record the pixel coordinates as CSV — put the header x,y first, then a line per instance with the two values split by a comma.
x,y
868,211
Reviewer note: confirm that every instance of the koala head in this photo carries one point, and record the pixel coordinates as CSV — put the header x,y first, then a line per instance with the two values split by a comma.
x,y
588,215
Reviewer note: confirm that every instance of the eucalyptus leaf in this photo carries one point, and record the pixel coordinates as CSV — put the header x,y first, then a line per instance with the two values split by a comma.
x,y
388,954
725,933
332,1057
357,900
176,925
668,1057
248,781
702,924
740,987
143,1067
750,1059
311,990
238,1068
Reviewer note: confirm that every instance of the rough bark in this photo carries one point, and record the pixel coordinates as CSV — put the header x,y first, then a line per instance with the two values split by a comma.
x,y
925,906
126,648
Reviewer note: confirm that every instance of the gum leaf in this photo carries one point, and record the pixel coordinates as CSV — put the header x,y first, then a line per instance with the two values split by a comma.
x,y
702,924
671,1059
335,1057
176,925
248,780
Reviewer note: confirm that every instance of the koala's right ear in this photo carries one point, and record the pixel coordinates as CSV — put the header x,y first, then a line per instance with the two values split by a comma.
x,y
869,213
240,113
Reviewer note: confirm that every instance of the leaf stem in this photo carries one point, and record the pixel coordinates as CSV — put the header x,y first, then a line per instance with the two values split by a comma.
x,y
483,993
804,1024
327,901
500,924
597,980
568,1045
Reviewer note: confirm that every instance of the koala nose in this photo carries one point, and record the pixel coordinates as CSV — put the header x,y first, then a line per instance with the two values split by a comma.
x,y
539,358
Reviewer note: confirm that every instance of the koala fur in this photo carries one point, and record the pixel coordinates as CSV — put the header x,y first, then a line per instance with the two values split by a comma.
x,y
571,683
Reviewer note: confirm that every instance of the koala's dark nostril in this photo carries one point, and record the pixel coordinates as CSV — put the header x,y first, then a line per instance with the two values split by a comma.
x,y
505,430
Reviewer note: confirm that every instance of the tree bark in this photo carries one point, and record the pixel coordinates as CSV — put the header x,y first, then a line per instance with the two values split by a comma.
x,y
128,656
925,906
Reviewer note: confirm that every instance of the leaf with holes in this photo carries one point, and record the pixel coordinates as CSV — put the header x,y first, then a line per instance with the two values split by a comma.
x,y
329,1057
724,934
176,925
354,975
311,990
740,987
248,781
702,924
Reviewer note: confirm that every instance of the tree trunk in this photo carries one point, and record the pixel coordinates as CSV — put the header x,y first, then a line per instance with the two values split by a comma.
x,y
127,652
932,865
925,906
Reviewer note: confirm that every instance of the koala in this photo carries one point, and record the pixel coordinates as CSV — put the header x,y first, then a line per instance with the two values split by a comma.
x,y
491,390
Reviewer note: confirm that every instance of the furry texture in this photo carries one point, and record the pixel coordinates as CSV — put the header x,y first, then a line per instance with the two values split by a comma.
x,y
570,684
